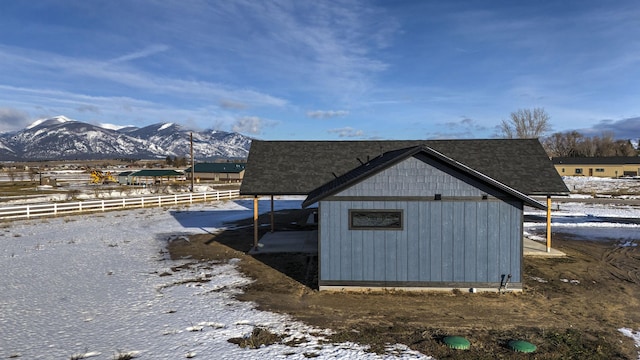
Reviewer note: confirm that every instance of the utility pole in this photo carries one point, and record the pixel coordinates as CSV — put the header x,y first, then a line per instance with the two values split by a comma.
x,y
193,166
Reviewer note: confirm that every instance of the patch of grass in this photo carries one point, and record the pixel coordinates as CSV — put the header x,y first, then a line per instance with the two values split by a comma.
x,y
120,355
259,337
581,345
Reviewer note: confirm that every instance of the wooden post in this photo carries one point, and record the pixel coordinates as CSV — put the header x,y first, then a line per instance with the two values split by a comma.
x,y
193,163
272,220
255,222
548,223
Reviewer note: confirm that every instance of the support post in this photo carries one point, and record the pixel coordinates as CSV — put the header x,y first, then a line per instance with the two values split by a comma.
x,y
272,215
548,223
193,163
255,222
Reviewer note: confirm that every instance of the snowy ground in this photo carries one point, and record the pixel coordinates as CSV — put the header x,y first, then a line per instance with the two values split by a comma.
x,y
90,286
592,221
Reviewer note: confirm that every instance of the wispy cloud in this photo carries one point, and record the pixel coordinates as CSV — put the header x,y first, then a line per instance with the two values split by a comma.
x,y
148,51
346,132
232,105
10,119
326,114
465,123
249,125
74,70
326,48
88,108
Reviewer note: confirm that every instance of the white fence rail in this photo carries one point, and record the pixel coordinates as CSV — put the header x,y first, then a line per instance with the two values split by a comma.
x,y
55,209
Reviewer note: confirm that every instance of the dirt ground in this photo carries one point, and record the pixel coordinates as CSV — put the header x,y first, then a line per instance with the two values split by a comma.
x,y
571,308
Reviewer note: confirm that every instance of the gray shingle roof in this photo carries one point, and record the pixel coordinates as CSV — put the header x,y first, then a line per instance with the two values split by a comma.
x,y
393,157
298,167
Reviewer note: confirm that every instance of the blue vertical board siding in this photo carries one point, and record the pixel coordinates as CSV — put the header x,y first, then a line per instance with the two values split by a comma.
x,y
447,240
346,245
402,249
368,257
390,256
469,240
357,260
458,240
379,243
412,241
470,244
336,241
325,226
516,241
435,240
423,240
482,238
493,242
506,241
440,241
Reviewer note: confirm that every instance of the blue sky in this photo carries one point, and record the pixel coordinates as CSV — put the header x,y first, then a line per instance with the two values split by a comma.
x,y
309,70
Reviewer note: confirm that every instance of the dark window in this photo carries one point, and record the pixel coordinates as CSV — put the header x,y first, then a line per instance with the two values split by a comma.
x,y
600,170
375,219
578,171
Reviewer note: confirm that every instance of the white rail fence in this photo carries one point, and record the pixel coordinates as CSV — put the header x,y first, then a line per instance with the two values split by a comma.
x,y
55,209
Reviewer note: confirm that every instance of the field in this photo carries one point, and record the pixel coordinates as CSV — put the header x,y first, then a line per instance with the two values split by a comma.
x,y
571,308
176,282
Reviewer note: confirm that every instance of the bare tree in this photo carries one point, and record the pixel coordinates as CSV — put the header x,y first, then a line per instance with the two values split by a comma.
x,y
625,148
574,144
526,124
563,144
12,173
33,174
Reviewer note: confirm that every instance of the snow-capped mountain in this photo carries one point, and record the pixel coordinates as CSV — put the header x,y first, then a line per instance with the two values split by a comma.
x,y
61,138
176,140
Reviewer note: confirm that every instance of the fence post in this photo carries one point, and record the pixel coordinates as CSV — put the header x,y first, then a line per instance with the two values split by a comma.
x,y
142,201
159,201
79,206
123,202
103,205
175,198
28,212
55,209
217,195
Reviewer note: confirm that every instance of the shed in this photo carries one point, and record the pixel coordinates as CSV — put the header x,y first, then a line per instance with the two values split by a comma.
x,y
155,176
125,178
224,172
411,214
416,218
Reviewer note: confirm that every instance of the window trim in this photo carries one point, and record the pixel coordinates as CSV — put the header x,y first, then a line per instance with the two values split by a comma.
x,y
397,212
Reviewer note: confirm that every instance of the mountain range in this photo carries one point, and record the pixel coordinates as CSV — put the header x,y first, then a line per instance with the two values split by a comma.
x,y
60,138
